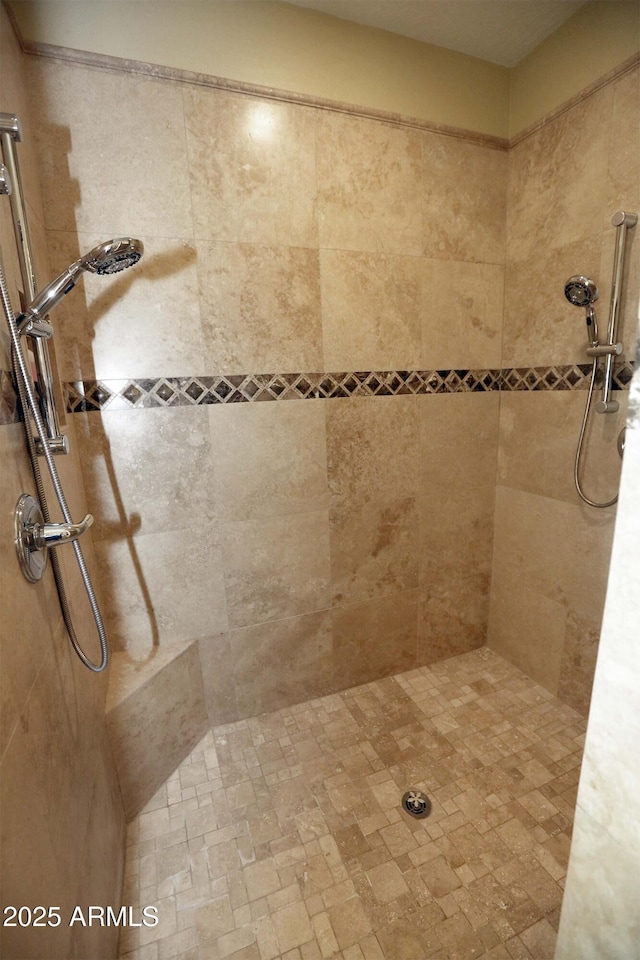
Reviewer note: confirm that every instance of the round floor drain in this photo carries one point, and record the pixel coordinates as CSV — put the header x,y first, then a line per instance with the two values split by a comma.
x,y
416,803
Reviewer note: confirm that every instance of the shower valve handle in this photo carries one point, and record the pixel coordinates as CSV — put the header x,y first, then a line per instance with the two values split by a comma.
x,y
55,534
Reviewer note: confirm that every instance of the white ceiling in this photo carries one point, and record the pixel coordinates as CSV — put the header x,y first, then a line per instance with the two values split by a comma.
x,y
501,31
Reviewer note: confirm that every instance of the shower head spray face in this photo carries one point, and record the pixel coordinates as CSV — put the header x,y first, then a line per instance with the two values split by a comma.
x,y
112,256
581,291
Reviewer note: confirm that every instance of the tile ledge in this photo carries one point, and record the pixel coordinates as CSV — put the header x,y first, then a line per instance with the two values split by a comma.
x,y
127,675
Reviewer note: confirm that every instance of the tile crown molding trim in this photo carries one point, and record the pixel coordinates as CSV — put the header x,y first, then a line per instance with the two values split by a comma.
x,y
611,77
155,71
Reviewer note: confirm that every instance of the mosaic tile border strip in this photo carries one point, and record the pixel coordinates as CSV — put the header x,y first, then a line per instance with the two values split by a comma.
x,y
136,393
247,388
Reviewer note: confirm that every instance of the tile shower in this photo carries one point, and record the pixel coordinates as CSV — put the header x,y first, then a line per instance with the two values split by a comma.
x,y
409,478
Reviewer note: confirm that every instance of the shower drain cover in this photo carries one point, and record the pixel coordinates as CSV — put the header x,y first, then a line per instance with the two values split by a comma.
x,y
416,803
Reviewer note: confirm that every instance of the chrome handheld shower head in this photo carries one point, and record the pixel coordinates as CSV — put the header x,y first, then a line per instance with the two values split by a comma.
x,y
582,292
109,257
112,256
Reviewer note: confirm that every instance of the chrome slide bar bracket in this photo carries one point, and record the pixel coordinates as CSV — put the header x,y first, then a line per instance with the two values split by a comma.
x,y
623,221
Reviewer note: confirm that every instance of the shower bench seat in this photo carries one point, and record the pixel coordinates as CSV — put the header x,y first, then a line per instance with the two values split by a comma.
x,y
155,715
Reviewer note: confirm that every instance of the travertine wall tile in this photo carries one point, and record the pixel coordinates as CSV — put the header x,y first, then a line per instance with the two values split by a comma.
x,y
372,310
538,441
371,449
375,638
143,605
550,565
462,314
137,483
540,325
374,550
78,118
252,169
369,177
553,200
285,661
463,214
276,567
260,307
274,461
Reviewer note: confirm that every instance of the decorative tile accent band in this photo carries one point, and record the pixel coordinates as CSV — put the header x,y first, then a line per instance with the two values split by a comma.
x,y
245,388
91,395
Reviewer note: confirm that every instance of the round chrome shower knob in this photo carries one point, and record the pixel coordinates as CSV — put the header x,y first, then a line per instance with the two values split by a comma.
x,y
32,558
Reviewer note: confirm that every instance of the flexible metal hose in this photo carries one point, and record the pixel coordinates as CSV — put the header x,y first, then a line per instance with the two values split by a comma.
x,y
576,471
30,407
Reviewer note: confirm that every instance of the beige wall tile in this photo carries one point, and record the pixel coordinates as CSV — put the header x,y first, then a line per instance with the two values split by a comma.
x,y
270,459
550,566
252,169
624,162
153,730
458,440
558,179
453,615
462,314
260,308
463,214
138,481
375,638
144,606
540,326
280,663
368,185
373,549
527,627
371,449
456,534
372,305
276,567
144,322
564,550
538,440
79,117
579,653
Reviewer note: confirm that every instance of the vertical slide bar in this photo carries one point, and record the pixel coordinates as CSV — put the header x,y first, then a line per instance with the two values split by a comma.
x,y
10,132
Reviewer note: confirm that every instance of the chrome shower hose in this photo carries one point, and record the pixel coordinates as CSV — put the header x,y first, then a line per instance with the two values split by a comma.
x,y
30,408
576,471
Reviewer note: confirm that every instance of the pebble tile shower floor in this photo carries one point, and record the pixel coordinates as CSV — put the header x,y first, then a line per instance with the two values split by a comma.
x,y
282,836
